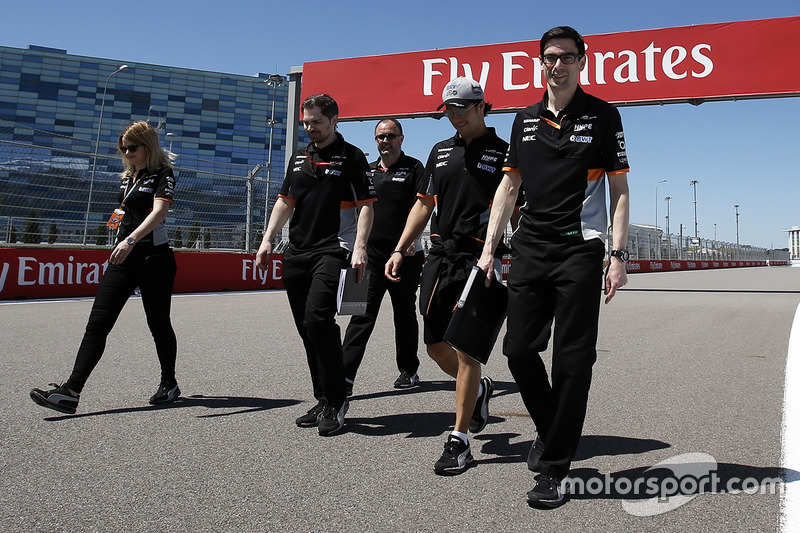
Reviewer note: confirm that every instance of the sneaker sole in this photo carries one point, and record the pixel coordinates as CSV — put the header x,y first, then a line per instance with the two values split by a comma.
x,y
454,471
41,400
331,433
547,504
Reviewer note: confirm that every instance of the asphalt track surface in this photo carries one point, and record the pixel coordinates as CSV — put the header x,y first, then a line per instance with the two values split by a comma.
x,y
689,363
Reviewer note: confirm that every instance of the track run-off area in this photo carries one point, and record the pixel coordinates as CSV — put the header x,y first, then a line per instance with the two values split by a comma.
x,y
693,422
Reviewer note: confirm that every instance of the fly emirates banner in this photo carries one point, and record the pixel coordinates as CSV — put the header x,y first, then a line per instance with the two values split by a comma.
x,y
758,58
60,272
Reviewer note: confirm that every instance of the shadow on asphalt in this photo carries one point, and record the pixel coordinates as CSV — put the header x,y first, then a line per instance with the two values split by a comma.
x,y
234,404
499,444
596,445
501,388
412,424
423,424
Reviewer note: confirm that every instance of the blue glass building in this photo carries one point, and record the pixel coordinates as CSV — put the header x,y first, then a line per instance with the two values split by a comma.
x,y
219,125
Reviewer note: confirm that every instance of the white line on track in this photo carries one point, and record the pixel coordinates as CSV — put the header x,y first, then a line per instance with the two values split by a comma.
x,y
790,449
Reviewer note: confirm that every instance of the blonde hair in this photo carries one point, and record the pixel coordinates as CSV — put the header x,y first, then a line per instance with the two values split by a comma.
x,y
146,137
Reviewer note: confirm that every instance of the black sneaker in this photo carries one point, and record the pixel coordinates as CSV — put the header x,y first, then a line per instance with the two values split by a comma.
x,y
406,380
167,392
311,418
58,398
480,416
331,421
547,494
537,448
456,458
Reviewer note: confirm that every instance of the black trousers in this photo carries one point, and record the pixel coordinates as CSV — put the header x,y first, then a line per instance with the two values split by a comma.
x,y
558,282
311,280
406,328
153,270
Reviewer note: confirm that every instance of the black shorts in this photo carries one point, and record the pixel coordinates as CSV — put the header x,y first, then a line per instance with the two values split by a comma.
x,y
439,309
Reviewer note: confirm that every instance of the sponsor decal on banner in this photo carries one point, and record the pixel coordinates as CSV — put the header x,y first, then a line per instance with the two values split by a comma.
x,y
682,64
59,273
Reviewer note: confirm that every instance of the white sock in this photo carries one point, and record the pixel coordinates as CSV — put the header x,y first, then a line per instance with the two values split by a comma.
x,y
462,436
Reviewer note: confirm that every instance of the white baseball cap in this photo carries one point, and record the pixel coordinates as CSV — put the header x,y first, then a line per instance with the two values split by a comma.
x,y
461,92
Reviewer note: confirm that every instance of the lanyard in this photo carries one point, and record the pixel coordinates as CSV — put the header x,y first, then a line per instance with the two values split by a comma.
x,y
133,186
335,160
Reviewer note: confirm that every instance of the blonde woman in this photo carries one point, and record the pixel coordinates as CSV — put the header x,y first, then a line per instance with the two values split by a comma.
x,y
142,257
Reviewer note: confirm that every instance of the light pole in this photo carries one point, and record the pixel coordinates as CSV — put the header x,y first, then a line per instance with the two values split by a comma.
x,y
96,150
274,81
669,239
694,183
736,210
716,246
249,225
657,237
657,184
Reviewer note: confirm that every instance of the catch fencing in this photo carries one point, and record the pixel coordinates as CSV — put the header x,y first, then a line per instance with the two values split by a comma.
x,y
60,190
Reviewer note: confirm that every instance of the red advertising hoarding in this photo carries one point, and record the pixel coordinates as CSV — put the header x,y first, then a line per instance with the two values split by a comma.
x,y
644,265
59,273
758,58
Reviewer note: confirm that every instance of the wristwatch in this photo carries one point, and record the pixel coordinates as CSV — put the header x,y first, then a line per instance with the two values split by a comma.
x,y
131,241
622,255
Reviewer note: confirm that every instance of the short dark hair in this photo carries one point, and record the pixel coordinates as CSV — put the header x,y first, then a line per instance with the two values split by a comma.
x,y
562,32
393,121
327,104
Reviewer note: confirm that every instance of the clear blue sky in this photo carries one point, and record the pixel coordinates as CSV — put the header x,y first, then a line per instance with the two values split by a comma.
x,y
742,153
